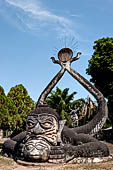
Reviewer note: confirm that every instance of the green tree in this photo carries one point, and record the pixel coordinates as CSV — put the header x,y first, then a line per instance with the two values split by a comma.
x,y
3,109
62,102
2,91
8,112
101,70
23,103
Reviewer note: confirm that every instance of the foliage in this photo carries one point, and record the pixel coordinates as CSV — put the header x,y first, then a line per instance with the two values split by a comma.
x,y
70,109
2,91
78,105
8,112
24,104
62,102
110,106
101,69
14,108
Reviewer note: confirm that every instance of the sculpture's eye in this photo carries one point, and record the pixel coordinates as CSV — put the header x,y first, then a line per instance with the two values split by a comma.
x,y
29,147
30,124
46,125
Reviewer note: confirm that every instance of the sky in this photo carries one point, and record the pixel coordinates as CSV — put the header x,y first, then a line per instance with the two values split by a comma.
x,y
32,31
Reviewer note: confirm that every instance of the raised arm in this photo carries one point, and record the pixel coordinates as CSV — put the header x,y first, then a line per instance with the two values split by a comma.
x,y
50,86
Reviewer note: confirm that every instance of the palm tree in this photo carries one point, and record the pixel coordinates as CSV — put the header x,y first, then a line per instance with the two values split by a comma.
x,y
62,102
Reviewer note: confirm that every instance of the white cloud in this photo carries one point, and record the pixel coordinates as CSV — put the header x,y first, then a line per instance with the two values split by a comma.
x,y
33,16
75,15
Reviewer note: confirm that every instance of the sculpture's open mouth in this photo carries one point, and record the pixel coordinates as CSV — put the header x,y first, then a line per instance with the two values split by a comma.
x,y
36,149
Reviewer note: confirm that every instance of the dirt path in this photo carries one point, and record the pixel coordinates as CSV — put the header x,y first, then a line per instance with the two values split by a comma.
x,y
40,167
87,166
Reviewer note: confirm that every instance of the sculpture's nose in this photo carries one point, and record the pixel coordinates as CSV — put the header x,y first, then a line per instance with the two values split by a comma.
x,y
38,129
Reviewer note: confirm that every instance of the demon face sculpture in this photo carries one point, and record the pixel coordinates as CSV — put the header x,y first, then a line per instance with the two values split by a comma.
x,y
41,133
46,138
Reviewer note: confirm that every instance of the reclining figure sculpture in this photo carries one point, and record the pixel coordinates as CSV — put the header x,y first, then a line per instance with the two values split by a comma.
x,y
46,138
